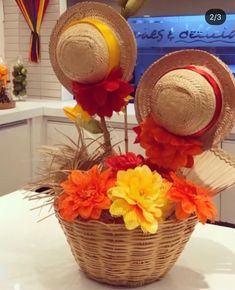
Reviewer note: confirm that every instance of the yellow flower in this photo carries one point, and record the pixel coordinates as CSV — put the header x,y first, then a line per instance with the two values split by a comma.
x,y
140,197
127,99
76,112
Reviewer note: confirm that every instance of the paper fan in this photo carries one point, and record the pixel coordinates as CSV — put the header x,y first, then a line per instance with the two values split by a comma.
x,y
213,169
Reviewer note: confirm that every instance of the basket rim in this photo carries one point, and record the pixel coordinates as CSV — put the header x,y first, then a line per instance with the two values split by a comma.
x,y
122,225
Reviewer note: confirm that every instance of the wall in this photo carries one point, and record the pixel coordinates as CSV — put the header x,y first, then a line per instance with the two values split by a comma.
x,y
185,7
173,7
1,30
42,83
109,2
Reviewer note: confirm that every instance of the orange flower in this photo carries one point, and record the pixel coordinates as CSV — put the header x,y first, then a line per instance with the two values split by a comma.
x,y
191,199
85,194
3,74
165,149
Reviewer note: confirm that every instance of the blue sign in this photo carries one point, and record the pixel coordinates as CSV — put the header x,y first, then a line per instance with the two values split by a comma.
x,y
183,31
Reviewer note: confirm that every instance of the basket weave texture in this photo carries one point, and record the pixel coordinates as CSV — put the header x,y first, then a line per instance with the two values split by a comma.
x,y
111,254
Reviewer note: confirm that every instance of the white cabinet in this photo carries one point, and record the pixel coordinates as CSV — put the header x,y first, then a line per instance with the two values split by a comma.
x,y
15,156
118,137
57,130
228,196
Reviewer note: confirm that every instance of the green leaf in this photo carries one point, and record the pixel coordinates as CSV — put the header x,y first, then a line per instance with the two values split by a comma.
x,y
92,126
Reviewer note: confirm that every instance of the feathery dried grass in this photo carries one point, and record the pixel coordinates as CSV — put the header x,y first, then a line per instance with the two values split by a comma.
x,y
57,163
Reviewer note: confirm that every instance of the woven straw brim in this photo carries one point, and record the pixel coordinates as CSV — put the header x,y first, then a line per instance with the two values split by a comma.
x,y
107,15
181,59
221,175
111,254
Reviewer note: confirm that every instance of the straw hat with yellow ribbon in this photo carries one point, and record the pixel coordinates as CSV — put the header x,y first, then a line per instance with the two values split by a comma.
x,y
191,94
89,40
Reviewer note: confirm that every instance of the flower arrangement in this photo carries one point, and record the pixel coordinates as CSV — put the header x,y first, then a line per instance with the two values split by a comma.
x,y
125,186
120,209
127,217
143,191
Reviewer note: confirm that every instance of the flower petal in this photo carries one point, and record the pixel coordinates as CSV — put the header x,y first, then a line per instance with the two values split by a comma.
x,y
105,97
148,216
95,214
85,212
149,227
165,149
131,221
111,86
121,193
119,207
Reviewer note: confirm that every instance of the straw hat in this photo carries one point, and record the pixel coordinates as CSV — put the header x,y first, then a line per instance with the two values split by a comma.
x,y
189,93
82,40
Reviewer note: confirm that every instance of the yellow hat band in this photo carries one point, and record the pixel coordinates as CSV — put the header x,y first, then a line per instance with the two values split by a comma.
x,y
109,36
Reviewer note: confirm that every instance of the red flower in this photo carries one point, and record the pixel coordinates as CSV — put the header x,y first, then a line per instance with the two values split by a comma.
x,y
165,149
124,162
105,97
137,130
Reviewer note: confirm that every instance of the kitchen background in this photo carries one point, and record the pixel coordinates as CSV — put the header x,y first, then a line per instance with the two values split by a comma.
x,y
42,82
22,133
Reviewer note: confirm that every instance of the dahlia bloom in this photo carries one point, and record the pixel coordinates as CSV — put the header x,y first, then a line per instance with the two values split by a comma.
x,y
165,149
123,162
85,194
191,199
105,97
140,197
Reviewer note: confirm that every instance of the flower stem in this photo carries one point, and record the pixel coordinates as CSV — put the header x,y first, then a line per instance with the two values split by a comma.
x,y
126,129
107,141
125,109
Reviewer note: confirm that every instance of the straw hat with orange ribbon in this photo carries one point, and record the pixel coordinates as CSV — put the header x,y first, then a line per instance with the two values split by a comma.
x,y
92,43
190,95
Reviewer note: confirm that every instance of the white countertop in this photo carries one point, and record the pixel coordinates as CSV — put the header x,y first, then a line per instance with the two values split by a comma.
x,y
35,256
47,108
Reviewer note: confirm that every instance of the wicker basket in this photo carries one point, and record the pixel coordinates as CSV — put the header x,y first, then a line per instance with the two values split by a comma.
x,y
110,254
